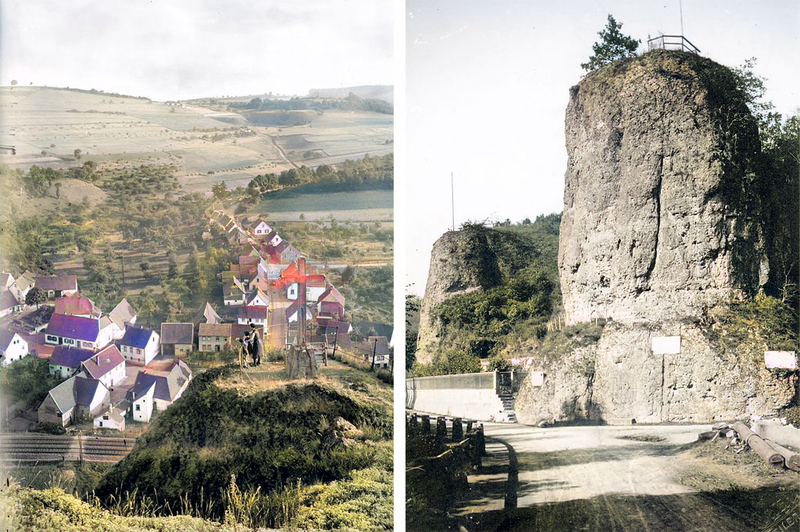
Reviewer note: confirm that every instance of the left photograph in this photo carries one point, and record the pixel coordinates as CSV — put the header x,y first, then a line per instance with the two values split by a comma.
x,y
196,246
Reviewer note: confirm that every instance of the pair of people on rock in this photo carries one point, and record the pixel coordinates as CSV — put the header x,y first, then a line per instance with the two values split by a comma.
x,y
252,345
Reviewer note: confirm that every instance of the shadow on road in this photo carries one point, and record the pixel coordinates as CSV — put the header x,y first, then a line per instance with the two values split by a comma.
x,y
733,510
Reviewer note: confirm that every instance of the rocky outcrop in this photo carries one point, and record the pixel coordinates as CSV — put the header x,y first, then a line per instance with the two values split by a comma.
x,y
564,392
661,210
626,377
663,225
634,379
662,221
462,262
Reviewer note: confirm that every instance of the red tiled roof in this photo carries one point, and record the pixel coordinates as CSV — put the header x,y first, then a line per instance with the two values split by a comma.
x,y
75,304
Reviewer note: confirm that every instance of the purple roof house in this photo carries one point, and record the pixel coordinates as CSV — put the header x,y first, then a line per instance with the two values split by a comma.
x,y
107,366
139,344
75,327
66,360
8,303
136,337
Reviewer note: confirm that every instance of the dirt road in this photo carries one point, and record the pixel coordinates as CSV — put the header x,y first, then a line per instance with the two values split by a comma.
x,y
610,479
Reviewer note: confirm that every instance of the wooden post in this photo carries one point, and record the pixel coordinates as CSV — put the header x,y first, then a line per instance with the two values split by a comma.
x,y
426,424
458,429
791,458
441,429
755,442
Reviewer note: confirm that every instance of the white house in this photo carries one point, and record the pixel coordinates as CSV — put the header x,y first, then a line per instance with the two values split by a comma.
x,y
157,391
73,398
12,347
261,228
139,345
112,418
142,399
255,314
233,293
107,366
259,299
66,360
22,285
9,303
78,331
6,280
55,286
122,316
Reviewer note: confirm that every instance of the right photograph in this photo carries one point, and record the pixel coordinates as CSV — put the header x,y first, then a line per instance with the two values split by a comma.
x,y
602,266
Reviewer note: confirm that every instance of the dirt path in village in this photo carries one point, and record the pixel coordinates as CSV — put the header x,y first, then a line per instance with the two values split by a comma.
x,y
613,479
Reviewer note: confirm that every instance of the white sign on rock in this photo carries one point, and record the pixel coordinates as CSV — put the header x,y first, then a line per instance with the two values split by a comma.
x,y
666,345
537,378
780,359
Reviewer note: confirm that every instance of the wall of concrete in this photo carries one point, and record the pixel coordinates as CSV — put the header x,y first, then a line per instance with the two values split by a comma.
x,y
471,396
772,429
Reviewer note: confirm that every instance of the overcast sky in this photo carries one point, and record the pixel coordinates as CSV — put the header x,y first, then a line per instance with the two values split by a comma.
x,y
487,88
180,49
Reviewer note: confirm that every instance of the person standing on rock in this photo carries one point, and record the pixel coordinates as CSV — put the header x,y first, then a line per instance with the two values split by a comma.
x,y
255,345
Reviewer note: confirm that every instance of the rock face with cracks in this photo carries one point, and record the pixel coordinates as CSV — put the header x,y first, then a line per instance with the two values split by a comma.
x,y
662,221
663,224
661,212
461,262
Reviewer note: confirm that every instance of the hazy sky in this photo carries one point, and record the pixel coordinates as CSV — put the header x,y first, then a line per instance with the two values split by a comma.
x,y
180,49
487,88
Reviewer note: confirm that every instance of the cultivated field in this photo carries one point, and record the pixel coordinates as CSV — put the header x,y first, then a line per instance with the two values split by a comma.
x,y
47,125
358,206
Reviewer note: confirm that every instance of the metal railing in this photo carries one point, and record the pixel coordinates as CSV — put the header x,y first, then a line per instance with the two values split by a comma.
x,y
672,42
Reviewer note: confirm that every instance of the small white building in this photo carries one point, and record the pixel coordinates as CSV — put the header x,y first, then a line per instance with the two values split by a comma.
x,y
139,345
12,347
122,316
72,399
113,418
9,304
261,228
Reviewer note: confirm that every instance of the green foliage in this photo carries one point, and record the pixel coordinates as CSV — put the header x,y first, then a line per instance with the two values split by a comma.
x,y
28,380
49,428
361,502
448,362
351,103
413,308
370,294
270,441
360,174
30,243
489,315
220,191
612,46
517,266
52,509
764,320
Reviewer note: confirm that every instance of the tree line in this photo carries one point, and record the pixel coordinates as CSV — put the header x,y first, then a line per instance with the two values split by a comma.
x,y
351,103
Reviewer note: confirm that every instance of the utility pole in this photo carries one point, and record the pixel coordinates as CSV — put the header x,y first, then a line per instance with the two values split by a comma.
x,y
452,200
680,6
122,258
